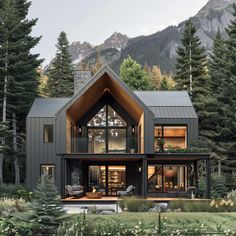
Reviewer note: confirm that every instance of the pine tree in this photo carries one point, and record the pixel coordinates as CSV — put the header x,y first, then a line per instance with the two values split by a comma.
x,y
18,66
191,64
156,76
213,124
229,85
46,205
61,73
134,76
219,188
229,96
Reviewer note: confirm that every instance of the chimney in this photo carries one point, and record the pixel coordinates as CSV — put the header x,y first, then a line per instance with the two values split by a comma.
x,y
81,78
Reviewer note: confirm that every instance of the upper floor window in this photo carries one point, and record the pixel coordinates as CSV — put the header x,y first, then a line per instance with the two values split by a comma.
x,y
107,132
48,133
170,137
107,117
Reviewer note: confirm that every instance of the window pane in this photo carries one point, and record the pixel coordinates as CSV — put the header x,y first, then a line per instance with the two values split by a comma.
x,y
48,170
175,137
99,119
154,178
116,179
97,178
114,119
48,133
97,141
175,178
117,140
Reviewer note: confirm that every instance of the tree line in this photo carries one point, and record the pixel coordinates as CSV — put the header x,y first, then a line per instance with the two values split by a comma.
x,y
209,81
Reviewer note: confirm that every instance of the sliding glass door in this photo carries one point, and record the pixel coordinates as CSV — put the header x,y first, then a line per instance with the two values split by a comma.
x,y
107,179
166,178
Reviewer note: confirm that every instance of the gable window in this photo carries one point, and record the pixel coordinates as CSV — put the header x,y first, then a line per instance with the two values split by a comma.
x,y
48,133
173,137
48,170
107,132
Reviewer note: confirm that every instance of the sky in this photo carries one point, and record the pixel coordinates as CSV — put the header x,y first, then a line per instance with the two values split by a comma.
x,y
95,20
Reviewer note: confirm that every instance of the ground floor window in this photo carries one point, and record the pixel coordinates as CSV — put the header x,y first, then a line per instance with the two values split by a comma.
x,y
107,179
48,170
166,178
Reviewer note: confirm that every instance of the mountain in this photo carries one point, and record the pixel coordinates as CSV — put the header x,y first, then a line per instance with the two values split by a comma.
x,y
109,50
160,48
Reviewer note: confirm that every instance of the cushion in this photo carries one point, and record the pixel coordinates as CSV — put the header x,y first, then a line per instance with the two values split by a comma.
x,y
69,189
77,188
130,188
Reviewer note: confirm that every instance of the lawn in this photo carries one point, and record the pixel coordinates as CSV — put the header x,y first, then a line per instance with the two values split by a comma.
x,y
174,220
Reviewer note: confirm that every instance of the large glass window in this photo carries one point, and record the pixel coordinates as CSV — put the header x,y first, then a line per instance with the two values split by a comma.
x,y
107,179
170,137
117,140
97,140
107,132
166,178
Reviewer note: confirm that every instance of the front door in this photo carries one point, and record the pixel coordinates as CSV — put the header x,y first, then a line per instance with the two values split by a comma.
x,y
107,179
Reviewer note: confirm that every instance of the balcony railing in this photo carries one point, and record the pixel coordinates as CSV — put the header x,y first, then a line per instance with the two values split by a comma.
x,y
84,145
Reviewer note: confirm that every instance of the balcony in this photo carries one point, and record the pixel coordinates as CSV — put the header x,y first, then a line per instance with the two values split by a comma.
x,y
88,145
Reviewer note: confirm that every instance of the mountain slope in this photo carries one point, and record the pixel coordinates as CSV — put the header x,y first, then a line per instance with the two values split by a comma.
x,y
160,48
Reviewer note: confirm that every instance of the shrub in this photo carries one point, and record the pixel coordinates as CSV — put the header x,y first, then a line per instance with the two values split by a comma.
x,y
13,191
9,205
219,188
134,204
190,206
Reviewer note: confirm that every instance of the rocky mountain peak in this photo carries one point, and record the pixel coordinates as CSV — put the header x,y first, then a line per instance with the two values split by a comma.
x,y
116,40
215,5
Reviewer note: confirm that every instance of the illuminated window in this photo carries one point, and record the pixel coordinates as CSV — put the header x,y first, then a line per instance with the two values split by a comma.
x,y
172,137
48,133
165,178
48,170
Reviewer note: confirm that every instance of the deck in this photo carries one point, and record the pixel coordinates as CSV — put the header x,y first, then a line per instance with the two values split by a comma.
x,y
114,199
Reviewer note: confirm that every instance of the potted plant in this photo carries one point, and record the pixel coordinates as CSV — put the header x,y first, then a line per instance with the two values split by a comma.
x,y
161,143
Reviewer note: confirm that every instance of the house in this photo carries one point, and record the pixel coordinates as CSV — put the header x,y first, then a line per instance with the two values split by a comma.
x,y
109,137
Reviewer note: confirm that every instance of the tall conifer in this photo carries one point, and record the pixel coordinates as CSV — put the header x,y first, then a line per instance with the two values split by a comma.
x,y
61,73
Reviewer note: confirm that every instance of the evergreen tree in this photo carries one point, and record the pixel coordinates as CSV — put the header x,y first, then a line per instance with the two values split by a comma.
x,y
61,73
46,205
134,76
191,64
214,109
18,77
229,96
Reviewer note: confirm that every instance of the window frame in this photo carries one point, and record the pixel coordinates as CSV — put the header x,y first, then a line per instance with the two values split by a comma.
x,y
107,128
186,176
163,135
44,130
48,165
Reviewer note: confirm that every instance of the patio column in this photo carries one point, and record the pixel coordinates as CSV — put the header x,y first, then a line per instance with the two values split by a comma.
x,y
63,177
144,178
208,179
196,173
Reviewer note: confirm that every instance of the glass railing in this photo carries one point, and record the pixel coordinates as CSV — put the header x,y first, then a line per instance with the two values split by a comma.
x,y
86,145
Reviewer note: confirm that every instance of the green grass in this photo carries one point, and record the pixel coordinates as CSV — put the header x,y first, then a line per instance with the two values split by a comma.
x,y
175,220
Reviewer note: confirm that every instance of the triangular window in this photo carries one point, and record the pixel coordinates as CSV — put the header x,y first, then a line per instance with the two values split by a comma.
x,y
107,117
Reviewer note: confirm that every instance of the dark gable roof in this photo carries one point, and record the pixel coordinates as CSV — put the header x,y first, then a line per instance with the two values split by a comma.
x,y
164,104
46,107
168,104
